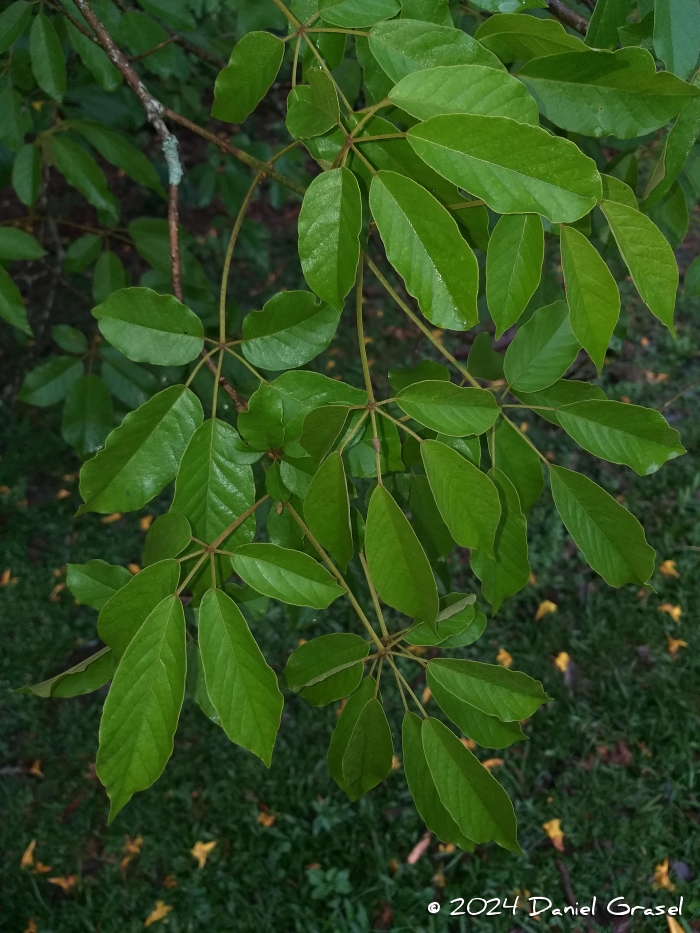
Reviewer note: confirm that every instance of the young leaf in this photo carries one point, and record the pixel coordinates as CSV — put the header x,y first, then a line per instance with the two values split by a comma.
x,y
457,616
464,89
424,245
591,292
513,267
467,499
82,172
336,687
323,657
289,576
488,731
96,581
241,685
48,63
422,787
312,109
124,613
369,753
327,509
247,78
329,227
167,537
357,14
564,392
610,537
599,93
397,563
512,37
509,570
26,174
449,409
150,328
13,21
495,690
542,350
143,706
677,35
514,457
292,328
638,437
648,257
89,675
403,46
262,425
16,244
473,798
110,276
12,307
142,455
513,167
212,489
50,381
344,728
88,415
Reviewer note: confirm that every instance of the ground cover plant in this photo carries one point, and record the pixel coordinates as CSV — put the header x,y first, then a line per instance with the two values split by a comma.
x,y
486,190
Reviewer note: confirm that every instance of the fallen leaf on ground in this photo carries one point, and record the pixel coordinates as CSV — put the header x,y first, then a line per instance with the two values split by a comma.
x,y
65,883
674,611
201,851
661,879
36,768
668,569
266,819
504,658
6,578
419,849
41,869
492,763
170,882
28,856
674,646
555,833
160,911
544,608
131,848
114,517
55,592
562,661
31,926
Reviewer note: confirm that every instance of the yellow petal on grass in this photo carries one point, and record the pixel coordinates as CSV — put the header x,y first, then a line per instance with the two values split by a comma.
x,y
562,661
448,848
31,926
668,569
673,925
27,859
160,911
395,763
56,591
491,763
532,579
266,819
555,833
132,846
468,743
674,646
36,769
427,693
41,869
201,851
504,658
145,522
674,611
65,883
133,569
439,880
114,517
544,608
63,494
661,879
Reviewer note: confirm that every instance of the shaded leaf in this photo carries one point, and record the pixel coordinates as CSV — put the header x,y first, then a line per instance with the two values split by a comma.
x,y
290,576
542,350
323,657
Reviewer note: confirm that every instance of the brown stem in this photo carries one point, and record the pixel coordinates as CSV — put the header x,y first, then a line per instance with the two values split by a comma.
x,y
562,12
156,48
239,402
174,235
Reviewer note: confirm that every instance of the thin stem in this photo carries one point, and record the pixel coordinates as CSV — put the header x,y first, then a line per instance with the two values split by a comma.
x,y
368,165
379,676
217,381
248,366
212,566
403,695
286,13
376,443
354,431
295,63
337,574
229,254
400,424
239,402
361,332
399,636
526,439
192,572
493,445
374,139
325,68
348,32
463,205
532,407
174,237
375,598
156,48
399,652
406,685
239,521
199,365
189,556
369,114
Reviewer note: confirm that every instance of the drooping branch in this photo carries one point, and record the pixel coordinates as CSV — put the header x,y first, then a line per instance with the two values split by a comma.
x,y
566,15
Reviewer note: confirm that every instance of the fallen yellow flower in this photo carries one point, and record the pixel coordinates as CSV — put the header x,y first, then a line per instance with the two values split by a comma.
x,y
27,859
555,833
562,661
504,658
544,608
160,910
661,879
668,569
201,851
674,646
674,611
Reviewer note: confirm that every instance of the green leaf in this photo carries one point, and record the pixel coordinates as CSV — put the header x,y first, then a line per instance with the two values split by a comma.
x,y
212,489
289,576
15,122
302,392
26,174
512,37
509,6
336,687
113,147
449,409
464,89
542,350
241,685
397,562
357,14
678,146
424,245
13,21
401,377
514,457
16,244
671,216
48,63
130,383
488,731
508,571
691,279
96,581
361,457
369,753
677,34
88,675
82,172
616,190
82,253
150,328
88,415
69,339
591,292
323,657
167,537
509,695
49,383
312,109
638,437
329,227
608,16
513,267
610,538
262,425
292,328
554,397
95,59
599,93
469,447
110,276
327,509
648,257
403,46
143,706
247,78
427,522
429,11
457,616
321,429
142,455
253,604
122,616
474,799
345,726
175,14
12,309
513,167
467,499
